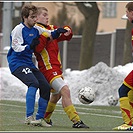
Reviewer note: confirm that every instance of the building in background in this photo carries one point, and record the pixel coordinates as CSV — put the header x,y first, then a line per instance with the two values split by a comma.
x,y
109,21
109,18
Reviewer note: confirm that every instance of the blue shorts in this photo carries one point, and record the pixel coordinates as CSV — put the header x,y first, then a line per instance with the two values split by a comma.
x,y
33,77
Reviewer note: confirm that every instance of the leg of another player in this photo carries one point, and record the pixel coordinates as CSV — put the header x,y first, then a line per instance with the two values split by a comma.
x,y
70,109
51,107
68,106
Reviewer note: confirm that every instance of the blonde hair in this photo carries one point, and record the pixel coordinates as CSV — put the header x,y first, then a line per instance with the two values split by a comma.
x,y
40,9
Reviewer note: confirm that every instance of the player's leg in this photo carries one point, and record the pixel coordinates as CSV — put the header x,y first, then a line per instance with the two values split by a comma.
x,y
51,107
125,107
60,86
128,82
130,96
44,92
70,109
27,77
68,106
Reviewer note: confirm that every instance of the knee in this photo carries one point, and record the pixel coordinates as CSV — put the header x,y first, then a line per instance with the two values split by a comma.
x,y
44,88
45,95
123,91
65,91
31,92
55,98
35,84
45,92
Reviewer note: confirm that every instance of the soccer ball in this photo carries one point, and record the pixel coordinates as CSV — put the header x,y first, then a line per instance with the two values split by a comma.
x,y
112,101
86,95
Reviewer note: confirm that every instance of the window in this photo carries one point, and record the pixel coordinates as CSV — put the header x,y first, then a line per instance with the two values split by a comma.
x,y
109,9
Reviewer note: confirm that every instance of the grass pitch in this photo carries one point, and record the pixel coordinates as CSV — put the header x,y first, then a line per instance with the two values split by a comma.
x,y
98,118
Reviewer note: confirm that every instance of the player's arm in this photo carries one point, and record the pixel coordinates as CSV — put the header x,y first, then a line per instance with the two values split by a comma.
x,y
50,34
44,38
42,43
132,42
66,36
17,40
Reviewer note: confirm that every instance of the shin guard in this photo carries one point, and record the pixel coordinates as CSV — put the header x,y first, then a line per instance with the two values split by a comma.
x,y
125,110
49,111
42,105
72,114
30,101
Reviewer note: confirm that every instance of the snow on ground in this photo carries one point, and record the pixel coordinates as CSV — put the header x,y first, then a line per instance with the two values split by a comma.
x,y
104,80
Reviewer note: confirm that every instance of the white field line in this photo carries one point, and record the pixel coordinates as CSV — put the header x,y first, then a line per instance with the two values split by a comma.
x,y
91,108
94,114
101,110
62,111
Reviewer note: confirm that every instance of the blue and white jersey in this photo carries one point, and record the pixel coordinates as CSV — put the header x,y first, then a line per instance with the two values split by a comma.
x,y
20,53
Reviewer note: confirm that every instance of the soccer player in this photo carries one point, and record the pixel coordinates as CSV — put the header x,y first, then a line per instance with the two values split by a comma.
x,y
126,89
49,63
23,40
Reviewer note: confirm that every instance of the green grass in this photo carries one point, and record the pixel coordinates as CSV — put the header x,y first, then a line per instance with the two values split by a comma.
x,y
98,118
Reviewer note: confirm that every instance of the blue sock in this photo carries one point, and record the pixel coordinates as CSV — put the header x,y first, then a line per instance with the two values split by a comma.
x,y
42,105
30,100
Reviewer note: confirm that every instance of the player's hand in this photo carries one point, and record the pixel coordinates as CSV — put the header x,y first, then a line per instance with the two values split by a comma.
x,y
34,43
69,31
56,33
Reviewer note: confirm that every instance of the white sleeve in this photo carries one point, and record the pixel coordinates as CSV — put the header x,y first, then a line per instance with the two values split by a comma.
x,y
41,30
17,39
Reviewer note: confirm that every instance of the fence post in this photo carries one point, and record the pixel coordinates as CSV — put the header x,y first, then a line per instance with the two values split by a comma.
x,y
112,51
7,23
64,65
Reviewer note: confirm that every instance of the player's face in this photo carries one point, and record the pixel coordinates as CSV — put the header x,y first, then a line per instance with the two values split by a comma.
x,y
43,17
129,14
31,20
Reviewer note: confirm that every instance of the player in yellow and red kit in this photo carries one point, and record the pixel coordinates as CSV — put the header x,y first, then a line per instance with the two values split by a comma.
x,y
126,89
48,56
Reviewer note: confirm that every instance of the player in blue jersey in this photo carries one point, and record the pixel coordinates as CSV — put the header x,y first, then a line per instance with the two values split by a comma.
x,y
24,38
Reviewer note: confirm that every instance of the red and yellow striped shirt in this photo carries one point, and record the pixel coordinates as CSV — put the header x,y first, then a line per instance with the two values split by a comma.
x,y
48,55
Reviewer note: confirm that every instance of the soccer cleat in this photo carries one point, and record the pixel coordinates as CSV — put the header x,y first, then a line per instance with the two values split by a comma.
x,y
122,127
29,119
130,128
79,124
49,122
40,122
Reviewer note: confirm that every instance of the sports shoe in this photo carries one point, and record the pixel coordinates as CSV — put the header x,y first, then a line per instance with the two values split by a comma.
x,y
130,128
49,122
29,119
79,124
40,122
122,127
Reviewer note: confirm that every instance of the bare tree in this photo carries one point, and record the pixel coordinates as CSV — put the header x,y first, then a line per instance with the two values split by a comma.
x,y
91,14
127,44
1,6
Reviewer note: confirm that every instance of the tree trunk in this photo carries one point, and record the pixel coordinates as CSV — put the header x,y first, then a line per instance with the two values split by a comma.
x,y
127,58
91,15
1,13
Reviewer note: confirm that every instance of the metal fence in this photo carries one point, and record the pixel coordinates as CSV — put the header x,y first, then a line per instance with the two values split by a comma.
x,y
108,48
